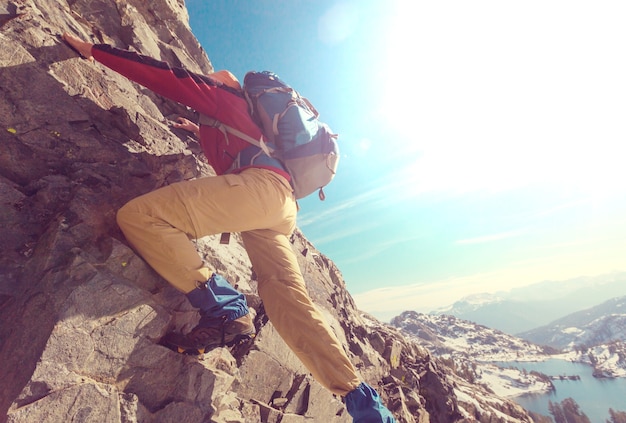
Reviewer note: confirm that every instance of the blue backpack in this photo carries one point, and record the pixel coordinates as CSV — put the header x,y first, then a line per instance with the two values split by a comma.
x,y
293,133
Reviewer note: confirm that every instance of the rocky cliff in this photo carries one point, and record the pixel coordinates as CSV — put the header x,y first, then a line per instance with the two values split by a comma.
x,y
81,314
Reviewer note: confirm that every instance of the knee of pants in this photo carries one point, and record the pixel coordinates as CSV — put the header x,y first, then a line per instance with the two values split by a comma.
x,y
124,215
285,297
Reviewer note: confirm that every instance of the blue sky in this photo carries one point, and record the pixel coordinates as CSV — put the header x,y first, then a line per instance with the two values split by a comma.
x,y
482,143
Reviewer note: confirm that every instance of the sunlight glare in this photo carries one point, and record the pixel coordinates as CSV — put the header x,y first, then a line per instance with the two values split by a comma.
x,y
493,106
338,23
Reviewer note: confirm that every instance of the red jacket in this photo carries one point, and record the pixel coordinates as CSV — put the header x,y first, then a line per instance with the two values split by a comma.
x,y
219,97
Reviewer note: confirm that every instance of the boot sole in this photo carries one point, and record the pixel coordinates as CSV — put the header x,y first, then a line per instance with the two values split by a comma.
x,y
237,340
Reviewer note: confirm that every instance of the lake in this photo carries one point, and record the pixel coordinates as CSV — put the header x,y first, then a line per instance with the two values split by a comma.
x,y
594,396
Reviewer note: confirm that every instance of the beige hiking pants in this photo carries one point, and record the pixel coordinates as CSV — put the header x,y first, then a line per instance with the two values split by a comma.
x,y
259,204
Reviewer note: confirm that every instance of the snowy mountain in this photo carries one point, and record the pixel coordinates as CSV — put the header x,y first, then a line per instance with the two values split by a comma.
x,y
496,311
608,360
449,336
472,349
594,326
522,309
596,337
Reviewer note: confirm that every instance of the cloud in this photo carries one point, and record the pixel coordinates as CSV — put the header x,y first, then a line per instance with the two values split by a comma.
x,y
375,248
425,297
490,238
388,302
338,211
344,233
564,206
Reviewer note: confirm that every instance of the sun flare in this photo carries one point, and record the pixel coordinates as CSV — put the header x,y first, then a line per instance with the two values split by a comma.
x,y
502,107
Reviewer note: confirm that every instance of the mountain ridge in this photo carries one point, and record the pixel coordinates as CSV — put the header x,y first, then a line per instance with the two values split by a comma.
x,y
474,348
600,324
525,308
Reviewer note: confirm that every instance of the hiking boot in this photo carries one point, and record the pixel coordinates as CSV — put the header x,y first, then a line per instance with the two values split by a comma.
x,y
211,333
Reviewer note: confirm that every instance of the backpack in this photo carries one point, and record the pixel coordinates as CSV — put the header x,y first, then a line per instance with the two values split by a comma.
x,y
292,132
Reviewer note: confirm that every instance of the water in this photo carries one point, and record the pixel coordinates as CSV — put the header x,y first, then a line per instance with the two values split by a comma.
x,y
594,396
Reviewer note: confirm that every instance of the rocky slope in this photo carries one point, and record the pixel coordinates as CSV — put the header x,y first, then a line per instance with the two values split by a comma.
x,y
81,314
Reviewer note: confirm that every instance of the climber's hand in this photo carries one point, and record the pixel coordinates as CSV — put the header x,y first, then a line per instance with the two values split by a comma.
x,y
82,47
187,125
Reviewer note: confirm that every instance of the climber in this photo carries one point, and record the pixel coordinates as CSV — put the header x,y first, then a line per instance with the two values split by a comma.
x,y
255,200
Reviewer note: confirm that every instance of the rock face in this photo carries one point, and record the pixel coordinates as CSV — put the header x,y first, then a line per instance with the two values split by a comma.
x,y
81,314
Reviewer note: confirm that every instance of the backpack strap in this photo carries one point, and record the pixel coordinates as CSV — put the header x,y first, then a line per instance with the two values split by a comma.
x,y
209,121
259,152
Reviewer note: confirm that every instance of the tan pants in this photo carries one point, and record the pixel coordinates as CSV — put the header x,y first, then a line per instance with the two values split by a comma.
x,y
259,204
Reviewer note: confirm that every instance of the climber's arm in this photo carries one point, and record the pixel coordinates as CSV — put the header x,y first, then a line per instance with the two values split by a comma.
x,y
196,91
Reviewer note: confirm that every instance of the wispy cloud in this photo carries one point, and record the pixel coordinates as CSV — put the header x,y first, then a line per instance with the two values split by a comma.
x,y
374,249
337,211
393,188
388,302
490,238
561,207
344,233
425,297
421,177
